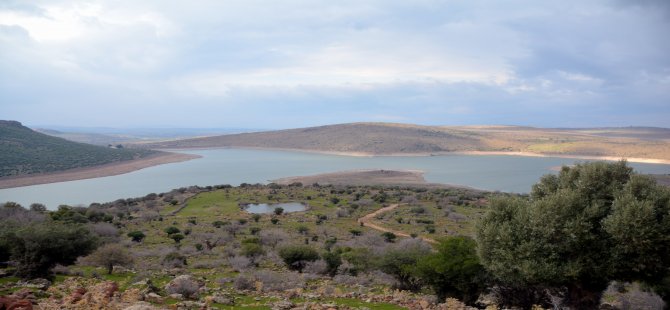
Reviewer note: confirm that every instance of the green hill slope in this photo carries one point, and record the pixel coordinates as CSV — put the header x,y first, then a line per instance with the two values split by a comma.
x,y
24,151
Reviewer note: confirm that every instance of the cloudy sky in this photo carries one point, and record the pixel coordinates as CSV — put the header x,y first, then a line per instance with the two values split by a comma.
x,y
280,64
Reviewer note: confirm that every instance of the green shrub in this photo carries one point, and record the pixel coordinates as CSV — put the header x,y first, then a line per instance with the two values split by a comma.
x,y
136,236
296,256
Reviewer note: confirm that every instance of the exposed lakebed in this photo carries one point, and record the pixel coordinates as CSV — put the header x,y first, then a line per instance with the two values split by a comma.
x,y
236,166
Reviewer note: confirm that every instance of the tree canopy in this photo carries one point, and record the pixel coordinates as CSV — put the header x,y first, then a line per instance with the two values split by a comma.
x,y
580,229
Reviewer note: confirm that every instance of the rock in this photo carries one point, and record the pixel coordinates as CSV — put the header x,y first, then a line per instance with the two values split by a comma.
x,y
283,305
142,305
424,304
185,285
24,293
329,306
223,299
40,284
176,296
132,295
11,303
154,298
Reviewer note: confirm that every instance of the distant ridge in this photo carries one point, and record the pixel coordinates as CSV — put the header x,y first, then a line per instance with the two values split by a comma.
x,y
24,151
635,143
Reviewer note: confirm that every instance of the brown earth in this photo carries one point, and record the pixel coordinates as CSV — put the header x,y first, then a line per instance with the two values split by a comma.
x,y
97,171
367,222
360,177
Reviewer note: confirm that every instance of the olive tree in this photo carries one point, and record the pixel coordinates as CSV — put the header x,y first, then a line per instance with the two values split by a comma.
x,y
580,229
38,248
111,255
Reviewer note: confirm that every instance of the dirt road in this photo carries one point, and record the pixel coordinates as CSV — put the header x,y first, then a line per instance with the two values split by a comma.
x,y
367,219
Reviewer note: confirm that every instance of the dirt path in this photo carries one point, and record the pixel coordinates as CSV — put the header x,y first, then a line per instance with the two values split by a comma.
x,y
366,220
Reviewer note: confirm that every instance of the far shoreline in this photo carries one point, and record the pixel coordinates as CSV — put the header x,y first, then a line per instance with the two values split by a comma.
x,y
106,170
427,154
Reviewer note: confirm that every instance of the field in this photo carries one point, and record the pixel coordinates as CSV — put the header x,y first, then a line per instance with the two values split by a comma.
x,y
216,228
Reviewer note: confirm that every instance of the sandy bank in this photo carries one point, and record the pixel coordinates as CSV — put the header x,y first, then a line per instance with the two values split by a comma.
x,y
367,154
360,177
97,171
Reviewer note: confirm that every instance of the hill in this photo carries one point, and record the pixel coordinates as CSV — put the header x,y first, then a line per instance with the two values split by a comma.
x,y
392,139
27,152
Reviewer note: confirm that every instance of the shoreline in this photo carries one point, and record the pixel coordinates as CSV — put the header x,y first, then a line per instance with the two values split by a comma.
x,y
106,170
426,154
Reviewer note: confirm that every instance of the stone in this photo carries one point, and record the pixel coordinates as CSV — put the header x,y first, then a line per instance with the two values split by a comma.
x,y
141,305
223,299
12,303
154,298
282,305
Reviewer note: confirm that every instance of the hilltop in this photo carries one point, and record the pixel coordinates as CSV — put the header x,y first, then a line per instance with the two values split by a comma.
x,y
634,143
27,153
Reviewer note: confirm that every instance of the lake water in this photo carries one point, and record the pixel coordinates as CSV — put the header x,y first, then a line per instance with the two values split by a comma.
x,y
235,166
263,208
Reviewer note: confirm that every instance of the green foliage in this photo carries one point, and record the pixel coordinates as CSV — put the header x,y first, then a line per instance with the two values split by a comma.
x,y
256,217
333,261
296,256
591,224
25,151
177,237
279,210
39,247
252,250
389,236
136,236
361,259
172,230
400,262
454,271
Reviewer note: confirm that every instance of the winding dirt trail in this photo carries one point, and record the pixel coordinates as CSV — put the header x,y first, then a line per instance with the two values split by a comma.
x,y
366,220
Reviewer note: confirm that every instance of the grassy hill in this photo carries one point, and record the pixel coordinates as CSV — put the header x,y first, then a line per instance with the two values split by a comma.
x,y
388,138
24,152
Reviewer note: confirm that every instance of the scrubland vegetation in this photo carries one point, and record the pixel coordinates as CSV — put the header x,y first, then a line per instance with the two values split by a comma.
x,y
26,152
593,235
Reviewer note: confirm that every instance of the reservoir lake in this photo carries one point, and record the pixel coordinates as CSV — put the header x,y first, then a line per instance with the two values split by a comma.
x,y
236,166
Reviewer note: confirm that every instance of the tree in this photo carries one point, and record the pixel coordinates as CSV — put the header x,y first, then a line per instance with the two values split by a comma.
x,y
400,262
136,236
111,255
591,224
172,230
177,237
39,247
454,271
296,256
279,210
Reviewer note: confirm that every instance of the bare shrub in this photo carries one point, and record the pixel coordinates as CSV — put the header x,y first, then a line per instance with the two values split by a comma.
x,y
106,231
239,263
341,212
209,264
457,217
243,283
319,267
272,237
60,269
185,285
274,281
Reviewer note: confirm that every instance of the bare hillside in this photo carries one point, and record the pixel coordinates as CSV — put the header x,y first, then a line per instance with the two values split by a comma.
x,y
387,139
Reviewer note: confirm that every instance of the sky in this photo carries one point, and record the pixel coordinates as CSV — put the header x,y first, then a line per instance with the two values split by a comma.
x,y
285,64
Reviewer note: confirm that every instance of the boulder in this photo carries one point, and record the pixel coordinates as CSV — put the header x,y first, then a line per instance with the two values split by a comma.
x,y
13,303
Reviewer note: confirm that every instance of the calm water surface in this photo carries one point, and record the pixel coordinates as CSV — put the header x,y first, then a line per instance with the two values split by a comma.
x,y
235,166
263,208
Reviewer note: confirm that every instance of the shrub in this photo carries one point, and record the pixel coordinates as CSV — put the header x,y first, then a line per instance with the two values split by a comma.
x,y
111,255
295,256
591,224
172,230
39,247
177,237
136,236
174,260
454,271
389,237
184,285
279,210
400,260
256,217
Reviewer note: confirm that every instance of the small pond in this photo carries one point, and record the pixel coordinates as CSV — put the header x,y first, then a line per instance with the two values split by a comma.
x,y
270,208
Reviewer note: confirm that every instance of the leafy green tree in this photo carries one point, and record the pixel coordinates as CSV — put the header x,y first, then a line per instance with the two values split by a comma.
x,y
400,262
136,236
39,247
111,255
172,230
454,271
296,256
591,224
279,210
177,237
